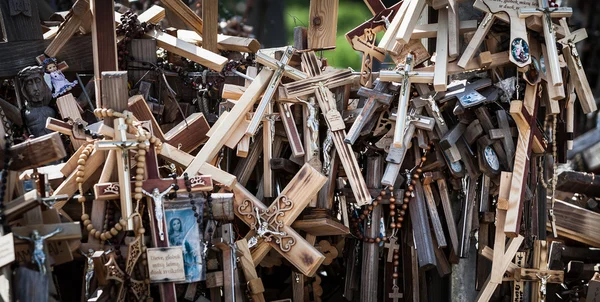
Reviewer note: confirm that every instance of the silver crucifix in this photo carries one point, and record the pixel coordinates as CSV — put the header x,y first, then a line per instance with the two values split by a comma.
x,y
157,198
262,230
544,281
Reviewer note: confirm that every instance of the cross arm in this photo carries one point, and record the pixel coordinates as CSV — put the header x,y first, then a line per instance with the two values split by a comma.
x,y
307,86
288,71
110,191
70,231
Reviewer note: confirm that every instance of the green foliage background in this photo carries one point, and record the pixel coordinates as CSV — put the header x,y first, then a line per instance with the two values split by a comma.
x,y
350,15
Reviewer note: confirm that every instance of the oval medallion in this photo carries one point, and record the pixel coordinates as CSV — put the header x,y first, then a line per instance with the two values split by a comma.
x,y
520,50
491,158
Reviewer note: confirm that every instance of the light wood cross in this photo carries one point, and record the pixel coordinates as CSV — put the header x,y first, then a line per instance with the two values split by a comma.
x,y
531,140
519,43
121,145
577,73
362,38
270,227
335,123
540,274
255,284
547,13
139,288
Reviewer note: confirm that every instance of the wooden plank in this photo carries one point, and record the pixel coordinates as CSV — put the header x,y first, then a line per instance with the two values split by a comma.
x,y
321,227
114,93
322,28
440,78
69,185
104,42
413,12
255,285
22,204
79,12
217,140
370,258
576,223
210,24
224,42
423,31
190,133
153,15
138,106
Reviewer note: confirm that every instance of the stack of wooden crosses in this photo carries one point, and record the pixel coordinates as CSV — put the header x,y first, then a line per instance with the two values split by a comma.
x,y
209,169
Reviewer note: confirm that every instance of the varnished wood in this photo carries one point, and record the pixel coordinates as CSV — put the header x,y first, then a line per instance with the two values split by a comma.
x,y
224,42
322,26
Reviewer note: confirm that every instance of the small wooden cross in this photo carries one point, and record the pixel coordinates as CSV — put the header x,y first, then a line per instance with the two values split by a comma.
x,y
376,97
395,295
391,246
547,13
579,79
540,273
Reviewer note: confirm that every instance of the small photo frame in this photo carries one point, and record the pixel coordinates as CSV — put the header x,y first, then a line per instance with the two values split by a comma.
x,y
183,231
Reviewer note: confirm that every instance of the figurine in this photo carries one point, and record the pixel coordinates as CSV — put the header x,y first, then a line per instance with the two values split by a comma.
x,y
89,270
38,97
56,79
38,256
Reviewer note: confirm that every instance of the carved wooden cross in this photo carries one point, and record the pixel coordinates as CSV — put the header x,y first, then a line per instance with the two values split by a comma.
x,y
540,274
139,288
547,13
530,140
376,98
271,226
362,38
579,79
519,44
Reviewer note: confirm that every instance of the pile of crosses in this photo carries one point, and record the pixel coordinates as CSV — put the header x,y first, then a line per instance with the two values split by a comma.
x,y
210,168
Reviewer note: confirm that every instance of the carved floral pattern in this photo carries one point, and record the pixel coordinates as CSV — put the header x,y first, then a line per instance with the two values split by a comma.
x,y
267,223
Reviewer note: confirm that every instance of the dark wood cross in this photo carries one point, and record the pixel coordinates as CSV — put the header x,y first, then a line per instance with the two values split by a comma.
x,y
391,246
395,295
376,98
531,140
504,133
139,288
485,120
362,38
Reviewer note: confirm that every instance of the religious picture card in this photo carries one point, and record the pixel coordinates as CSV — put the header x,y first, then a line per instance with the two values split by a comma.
x,y
183,231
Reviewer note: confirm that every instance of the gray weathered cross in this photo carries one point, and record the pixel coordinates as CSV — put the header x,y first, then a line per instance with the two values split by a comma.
x,y
391,246
376,98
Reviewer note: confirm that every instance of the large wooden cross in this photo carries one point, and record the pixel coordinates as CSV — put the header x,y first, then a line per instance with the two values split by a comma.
x,y
530,140
271,225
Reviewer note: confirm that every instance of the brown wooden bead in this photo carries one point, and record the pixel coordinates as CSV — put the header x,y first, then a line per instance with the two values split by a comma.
x,y
377,239
391,189
142,230
392,206
400,219
402,212
383,192
406,199
423,158
89,227
79,179
123,222
97,235
81,199
398,225
371,240
414,182
396,263
392,199
138,196
384,238
393,225
407,194
85,217
103,237
392,213
396,256
416,176
375,203
395,275
80,173
114,232
108,235
411,188
404,206
378,198
370,207
419,170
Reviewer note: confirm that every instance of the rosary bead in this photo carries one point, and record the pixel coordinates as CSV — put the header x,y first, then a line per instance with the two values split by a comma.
x,y
141,164
414,182
138,196
122,222
383,192
411,188
396,256
140,171
81,199
128,121
379,198
392,206
384,238
392,213
370,207
392,200
141,152
86,151
80,168
366,212
400,218
402,212
396,263
419,170
152,140
97,235
108,235
395,275
85,217
371,240
142,146
103,237
114,232
89,227
141,230
391,189
138,190
404,206
375,203
407,194
83,156
110,112
92,232
377,240
139,183
362,216
81,162
398,225
79,179
80,174
139,177
423,159
405,200
393,225
416,176
104,112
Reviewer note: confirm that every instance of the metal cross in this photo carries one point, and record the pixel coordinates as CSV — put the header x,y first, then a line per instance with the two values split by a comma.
x,y
157,197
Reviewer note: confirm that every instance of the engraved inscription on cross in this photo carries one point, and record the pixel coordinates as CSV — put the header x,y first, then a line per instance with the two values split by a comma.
x,y
270,226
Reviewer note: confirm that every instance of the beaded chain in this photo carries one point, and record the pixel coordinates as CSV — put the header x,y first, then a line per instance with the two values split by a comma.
x,y
3,222
397,217
142,136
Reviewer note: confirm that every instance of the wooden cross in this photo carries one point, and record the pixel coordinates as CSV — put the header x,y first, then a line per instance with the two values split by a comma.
x,y
376,97
420,225
306,87
440,78
403,104
547,13
121,145
519,44
255,284
289,124
540,273
35,152
530,140
440,179
269,93
391,246
138,288
466,93
577,73
485,120
504,133
335,123
362,38
395,295
231,283
270,226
